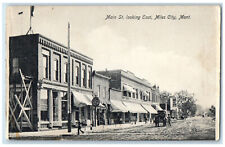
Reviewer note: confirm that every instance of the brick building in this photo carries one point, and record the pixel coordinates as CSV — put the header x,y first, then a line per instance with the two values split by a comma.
x,y
131,98
42,63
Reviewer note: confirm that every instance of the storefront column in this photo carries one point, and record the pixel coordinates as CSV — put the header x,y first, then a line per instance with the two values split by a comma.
x,y
60,95
38,109
105,117
138,117
50,108
123,117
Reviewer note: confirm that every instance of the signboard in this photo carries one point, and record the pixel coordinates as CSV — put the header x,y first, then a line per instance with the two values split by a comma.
x,y
95,101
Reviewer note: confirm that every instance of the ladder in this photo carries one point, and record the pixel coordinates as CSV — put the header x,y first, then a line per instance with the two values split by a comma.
x,y
20,105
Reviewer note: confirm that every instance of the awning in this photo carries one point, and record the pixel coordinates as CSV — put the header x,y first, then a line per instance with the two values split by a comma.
x,y
128,88
118,106
90,97
80,99
134,108
149,108
158,108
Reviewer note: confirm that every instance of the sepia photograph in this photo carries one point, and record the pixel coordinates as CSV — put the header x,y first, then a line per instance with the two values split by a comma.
x,y
113,72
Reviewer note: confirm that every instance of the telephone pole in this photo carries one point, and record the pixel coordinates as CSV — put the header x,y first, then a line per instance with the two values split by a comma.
x,y
69,84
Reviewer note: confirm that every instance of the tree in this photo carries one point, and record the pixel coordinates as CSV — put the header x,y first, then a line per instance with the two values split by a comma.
x,y
186,103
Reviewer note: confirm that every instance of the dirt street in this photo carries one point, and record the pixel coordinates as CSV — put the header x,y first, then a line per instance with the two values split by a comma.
x,y
196,128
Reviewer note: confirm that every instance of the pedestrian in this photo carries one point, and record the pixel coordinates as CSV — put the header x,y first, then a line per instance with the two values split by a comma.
x,y
157,121
79,128
169,120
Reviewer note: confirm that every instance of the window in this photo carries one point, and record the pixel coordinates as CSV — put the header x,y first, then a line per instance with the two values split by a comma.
x,y
15,65
44,115
72,72
133,94
137,93
56,69
174,103
129,94
46,64
65,72
84,75
89,77
99,90
141,95
77,72
104,92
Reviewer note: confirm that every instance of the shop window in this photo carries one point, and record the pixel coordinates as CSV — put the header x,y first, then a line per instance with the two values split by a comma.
x,y
129,94
44,116
64,108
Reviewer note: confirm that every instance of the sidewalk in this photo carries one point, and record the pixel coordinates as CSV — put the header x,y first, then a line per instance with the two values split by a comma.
x,y
62,132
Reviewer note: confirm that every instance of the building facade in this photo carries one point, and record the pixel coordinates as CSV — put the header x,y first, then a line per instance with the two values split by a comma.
x,y
131,98
101,90
38,83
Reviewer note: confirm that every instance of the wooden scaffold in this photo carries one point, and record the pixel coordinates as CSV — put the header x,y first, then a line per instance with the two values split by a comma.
x,y
20,105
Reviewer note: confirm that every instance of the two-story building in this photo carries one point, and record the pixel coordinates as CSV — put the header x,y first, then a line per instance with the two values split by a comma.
x,y
43,103
131,97
101,90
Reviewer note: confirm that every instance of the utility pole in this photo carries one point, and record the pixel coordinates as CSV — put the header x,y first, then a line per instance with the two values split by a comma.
x,y
69,84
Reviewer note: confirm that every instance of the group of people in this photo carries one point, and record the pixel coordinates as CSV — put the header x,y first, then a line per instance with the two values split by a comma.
x,y
162,119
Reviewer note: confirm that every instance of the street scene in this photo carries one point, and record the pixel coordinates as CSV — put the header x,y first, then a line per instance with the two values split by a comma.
x,y
196,128
113,81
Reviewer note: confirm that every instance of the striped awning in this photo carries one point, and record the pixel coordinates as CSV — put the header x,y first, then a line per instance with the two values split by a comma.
x,y
118,106
134,107
128,88
149,108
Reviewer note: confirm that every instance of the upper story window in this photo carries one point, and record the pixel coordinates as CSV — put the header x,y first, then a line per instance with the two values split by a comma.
x,y
89,80
104,92
65,66
84,81
77,72
99,90
141,95
56,69
15,65
46,64
137,93
174,103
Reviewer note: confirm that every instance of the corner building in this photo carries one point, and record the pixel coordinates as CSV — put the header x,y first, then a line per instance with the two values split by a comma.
x,y
43,103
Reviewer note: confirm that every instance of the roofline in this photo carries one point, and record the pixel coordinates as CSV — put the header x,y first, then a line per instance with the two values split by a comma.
x,y
100,75
72,50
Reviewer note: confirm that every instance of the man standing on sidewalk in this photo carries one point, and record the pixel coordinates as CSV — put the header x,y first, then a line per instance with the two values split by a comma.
x,y
79,128
169,120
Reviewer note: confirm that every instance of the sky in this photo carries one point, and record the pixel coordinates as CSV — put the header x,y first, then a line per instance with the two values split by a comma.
x,y
173,54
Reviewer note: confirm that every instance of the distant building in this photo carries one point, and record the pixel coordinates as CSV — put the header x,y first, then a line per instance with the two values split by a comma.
x,y
131,98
